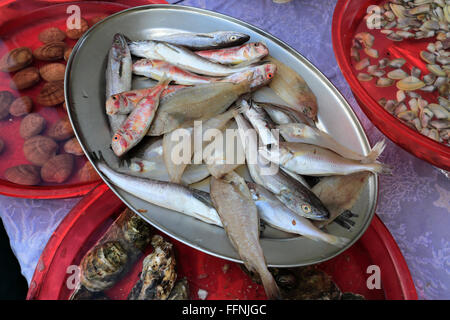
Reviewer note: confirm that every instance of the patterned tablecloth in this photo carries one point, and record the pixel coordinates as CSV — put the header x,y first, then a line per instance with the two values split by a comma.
x,y
414,202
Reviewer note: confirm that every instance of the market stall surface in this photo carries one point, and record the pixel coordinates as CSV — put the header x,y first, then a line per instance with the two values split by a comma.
x,y
414,202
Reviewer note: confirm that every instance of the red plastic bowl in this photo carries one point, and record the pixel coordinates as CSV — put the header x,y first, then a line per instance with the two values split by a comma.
x,y
21,22
87,221
347,18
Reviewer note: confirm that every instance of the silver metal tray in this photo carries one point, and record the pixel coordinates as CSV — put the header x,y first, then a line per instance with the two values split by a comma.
x,y
85,88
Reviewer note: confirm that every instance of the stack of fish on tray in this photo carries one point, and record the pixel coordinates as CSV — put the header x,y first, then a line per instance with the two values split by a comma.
x,y
218,78
115,253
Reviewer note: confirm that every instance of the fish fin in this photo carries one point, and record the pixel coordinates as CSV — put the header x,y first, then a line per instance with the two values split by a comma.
x,y
339,242
128,40
243,106
202,196
97,156
381,168
170,46
375,152
270,286
345,219
249,65
204,35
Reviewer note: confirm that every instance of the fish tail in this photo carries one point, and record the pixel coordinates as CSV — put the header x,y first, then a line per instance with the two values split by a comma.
x,y
375,152
270,286
380,168
164,80
339,242
242,106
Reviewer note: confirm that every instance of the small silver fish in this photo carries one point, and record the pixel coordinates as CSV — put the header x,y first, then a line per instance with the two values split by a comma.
x,y
148,162
204,41
288,190
272,211
186,200
261,122
300,132
282,114
312,160
180,57
246,54
239,216
118,75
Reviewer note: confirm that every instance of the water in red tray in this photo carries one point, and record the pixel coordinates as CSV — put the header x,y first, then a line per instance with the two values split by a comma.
x,y
21,24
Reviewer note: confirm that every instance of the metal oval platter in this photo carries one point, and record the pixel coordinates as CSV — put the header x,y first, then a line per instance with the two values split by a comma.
x,y
85,95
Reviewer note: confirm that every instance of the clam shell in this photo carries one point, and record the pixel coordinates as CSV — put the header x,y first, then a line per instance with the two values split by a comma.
x,y
58,168
373,53
397,63
436,69
50,52
410,83
39,149
407,115
384,82
16,59
364,63
440,124
439,111
52,94
24,174
365,38
364,76
397,74
427,57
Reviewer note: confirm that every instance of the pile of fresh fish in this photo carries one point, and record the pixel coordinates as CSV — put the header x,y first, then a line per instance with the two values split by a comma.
x,y
214,79
117,251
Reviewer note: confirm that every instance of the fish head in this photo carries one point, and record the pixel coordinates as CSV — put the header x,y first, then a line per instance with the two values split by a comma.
x,y
307,205
119,46
262,75
275,153
114,103
119,144
141,63
314,212
230,38
258,50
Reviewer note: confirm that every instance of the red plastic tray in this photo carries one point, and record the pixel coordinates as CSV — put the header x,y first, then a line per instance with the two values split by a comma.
x,y
87,221
347,21
20,24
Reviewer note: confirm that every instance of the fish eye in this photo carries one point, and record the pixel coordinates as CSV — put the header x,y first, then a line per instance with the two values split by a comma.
x,y
306,208
116,138
114,98
270,75
233,38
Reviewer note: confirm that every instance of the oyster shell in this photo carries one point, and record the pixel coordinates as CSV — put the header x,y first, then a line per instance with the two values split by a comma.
x,y
180,291
112,256
158,273
306,283
103,265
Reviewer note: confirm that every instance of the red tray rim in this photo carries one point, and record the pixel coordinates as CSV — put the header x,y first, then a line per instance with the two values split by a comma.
x,y
368,103
399,265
